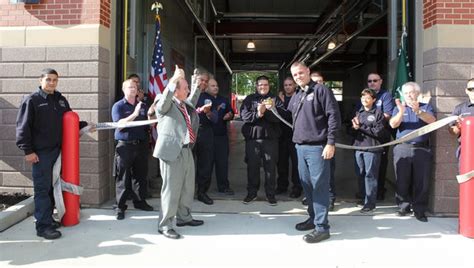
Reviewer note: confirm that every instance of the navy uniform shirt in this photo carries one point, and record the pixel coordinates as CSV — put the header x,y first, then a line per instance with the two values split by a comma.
x,y
220,107
385,102
204,98
39,123
412,122
318,119
123,109
286,131
371,130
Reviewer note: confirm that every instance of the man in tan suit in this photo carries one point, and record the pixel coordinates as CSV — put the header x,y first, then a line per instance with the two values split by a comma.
x,y
177,131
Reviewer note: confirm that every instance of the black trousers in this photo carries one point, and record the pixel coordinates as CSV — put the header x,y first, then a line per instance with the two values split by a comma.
x,y
287,152
131,162
221,161
257,151
204,151
413,172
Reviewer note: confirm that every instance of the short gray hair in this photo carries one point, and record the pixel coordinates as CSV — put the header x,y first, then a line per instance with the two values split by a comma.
x,y
413,85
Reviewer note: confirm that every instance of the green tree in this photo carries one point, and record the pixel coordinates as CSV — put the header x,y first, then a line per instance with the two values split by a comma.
x,y
243,83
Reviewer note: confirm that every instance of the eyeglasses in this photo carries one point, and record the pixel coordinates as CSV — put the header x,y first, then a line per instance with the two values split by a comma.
x,y
470,88
373,81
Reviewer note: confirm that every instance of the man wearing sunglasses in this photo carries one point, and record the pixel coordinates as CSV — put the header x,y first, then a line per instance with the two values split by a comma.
x,y
385,104
463,109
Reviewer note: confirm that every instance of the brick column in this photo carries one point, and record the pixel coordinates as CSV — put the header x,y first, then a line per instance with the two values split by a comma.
x,y
73,37
447,65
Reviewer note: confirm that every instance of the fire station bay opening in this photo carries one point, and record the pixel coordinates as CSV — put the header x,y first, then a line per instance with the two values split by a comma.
x,y
238,40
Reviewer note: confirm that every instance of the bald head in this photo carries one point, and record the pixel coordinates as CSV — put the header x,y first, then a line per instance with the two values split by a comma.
x,y
213,87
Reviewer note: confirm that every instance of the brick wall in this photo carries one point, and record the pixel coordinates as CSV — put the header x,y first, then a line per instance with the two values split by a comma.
x,y
448,12
55,12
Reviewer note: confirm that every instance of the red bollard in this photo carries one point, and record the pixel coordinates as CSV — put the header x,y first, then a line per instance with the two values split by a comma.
x,y
70,166
466,189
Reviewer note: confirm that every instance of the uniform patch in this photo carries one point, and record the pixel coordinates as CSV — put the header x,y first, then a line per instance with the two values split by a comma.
x,y
310,97
371,118
62,103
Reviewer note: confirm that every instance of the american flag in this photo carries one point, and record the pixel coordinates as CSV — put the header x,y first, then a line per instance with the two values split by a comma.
x,y
158,78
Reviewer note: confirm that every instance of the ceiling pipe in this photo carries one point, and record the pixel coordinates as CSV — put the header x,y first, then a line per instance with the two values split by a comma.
x,y
209,37
349,14
321,26
268,16
258,36
356,33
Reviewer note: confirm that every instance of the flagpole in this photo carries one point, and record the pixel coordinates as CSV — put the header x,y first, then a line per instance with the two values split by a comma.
x,y
125,40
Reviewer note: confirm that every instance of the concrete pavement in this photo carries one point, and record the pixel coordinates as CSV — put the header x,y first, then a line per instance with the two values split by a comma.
x,y
237,235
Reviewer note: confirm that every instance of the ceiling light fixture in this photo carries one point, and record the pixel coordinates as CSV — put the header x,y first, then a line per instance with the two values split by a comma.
x,y
332,44
250,46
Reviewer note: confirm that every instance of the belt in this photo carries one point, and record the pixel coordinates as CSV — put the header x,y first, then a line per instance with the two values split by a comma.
x,y
189,145
132,142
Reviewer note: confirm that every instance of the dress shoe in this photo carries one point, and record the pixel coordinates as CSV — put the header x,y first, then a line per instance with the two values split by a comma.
x,y
190,223
295,193
280,191
227,191
170,234
249,198
272,200
203,197
315,237
120,215
49,234
367,209
56,225
403,212
421,216
143,206
305,226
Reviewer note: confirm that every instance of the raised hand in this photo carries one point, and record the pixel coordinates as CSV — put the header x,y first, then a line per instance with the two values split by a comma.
x,y
178,75
400,105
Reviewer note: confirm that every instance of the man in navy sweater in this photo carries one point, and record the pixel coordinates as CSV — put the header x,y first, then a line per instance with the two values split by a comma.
x,y
316,119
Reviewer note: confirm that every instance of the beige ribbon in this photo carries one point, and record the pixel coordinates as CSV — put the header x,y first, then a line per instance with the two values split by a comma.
x,y
465,177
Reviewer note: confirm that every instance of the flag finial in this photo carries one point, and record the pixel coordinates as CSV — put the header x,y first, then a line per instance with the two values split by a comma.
x,y
156,6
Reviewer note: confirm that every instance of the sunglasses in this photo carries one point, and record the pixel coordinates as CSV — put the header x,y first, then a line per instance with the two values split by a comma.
x,y
373,81
470,88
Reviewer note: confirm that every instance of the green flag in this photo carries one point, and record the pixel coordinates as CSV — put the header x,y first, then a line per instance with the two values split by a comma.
x,y
403,74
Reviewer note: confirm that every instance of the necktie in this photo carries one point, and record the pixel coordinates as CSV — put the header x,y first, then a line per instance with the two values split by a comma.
x,y
182,107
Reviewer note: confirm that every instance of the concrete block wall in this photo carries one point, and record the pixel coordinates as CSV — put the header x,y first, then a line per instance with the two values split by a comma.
x,y
448,62
83,79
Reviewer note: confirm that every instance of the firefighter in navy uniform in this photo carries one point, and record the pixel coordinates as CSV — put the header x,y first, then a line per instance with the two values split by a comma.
x,y
39,128
131,151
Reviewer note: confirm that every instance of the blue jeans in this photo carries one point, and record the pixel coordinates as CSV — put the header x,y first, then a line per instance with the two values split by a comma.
x,y
314,174
42,173
367,170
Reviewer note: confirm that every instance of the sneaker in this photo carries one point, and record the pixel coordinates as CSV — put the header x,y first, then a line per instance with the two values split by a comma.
x,y
367,209
249,198
272,201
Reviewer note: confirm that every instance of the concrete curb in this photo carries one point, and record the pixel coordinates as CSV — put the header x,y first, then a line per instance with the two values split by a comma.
x,y
16,213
